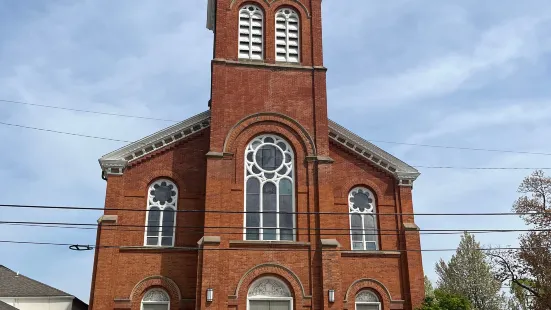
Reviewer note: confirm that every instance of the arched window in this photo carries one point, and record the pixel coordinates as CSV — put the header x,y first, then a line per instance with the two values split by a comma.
x,y
269,294
162,203
156,299
363,222
367,300
251,32
269,189
287,35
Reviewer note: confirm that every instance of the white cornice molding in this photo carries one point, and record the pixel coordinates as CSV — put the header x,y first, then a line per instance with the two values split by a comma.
x,y
115,162
404,173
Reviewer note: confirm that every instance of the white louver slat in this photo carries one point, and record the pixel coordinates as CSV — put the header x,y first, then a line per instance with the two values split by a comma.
x,y
251,21
287,35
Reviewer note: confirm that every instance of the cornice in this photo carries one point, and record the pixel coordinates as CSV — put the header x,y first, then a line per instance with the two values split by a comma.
x,y
404,173
115,162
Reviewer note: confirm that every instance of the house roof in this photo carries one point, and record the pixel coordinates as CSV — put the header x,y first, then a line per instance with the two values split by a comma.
x,y
5,306
115,162
13,284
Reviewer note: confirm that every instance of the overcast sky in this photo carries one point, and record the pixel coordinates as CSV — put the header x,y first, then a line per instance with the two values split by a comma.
x,y
467,73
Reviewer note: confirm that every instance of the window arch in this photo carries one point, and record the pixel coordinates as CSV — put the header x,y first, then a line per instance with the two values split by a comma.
x,y
155,299
287,35
269,189
367,300
162,203
363,222
251,32
269,293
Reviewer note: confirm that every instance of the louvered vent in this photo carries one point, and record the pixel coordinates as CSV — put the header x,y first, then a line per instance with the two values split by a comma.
x,y
251,21
287,35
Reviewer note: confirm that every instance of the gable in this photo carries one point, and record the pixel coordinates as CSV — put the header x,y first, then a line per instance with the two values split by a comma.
x,y
116,161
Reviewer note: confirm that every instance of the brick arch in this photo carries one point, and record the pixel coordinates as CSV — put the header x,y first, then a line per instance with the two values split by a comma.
x,y
154,175
367,284
157,281
266,117
294,3
354,182
270,269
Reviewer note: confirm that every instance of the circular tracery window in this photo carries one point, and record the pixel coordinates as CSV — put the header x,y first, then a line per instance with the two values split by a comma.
x,y
269,157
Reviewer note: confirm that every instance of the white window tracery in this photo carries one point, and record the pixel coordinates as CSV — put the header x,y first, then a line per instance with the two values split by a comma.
x,y
269,189
269,293
287,35
162,203
251,32
363,221
155,299
367,300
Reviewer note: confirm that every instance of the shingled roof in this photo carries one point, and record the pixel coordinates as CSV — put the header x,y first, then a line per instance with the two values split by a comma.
x,y
5,306
17,285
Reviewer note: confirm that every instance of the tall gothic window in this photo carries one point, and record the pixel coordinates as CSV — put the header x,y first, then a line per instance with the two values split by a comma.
x,y
156,299
269,189
269,293
363,223
367,300
162,203
287,35
251,32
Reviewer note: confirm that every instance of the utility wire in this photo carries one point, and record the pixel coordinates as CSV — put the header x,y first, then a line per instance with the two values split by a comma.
x,y
262,249
272,212
88,111
64,132
111,226
373,141
196,231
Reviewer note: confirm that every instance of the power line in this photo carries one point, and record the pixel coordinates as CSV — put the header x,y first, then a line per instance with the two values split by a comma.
x,y
273,212
88,111
110,226
480,168
374,141
461,148
64,132
197,230
263,249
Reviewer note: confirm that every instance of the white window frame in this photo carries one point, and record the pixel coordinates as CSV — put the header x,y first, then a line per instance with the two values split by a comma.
x,y
369,212
287,16
290,177
151,204
369,303
245,8
270,298
155,302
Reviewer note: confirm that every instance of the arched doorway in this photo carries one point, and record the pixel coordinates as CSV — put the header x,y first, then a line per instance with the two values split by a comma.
x,y
269,293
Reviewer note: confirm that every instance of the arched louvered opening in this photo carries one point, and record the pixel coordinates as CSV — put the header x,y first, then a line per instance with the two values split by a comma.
x,y
287,35
251,33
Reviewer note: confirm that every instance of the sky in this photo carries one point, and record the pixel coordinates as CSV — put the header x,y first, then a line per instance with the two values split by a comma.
x,y
465,73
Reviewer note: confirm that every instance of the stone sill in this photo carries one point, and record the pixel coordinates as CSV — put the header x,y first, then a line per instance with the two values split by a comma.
x,y
371,253
159,249
260,63
268,244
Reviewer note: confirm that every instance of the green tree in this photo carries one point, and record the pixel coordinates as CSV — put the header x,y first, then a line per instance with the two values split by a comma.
x,y
429,289
445,301
469,274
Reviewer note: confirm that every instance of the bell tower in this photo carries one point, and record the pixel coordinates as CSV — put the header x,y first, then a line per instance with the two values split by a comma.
x,y
267,58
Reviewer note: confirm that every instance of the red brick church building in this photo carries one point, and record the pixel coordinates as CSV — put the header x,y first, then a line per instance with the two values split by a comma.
x,y
261,202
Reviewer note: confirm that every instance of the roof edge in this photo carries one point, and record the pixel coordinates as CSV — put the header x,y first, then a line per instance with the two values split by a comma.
x,y
404,173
